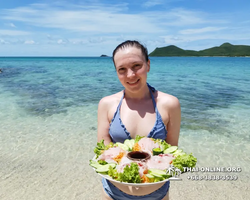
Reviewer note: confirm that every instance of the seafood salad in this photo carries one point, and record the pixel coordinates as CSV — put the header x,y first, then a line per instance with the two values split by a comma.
x,y
140,160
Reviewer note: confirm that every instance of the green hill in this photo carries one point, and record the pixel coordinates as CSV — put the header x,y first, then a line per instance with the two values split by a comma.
x,y
225,49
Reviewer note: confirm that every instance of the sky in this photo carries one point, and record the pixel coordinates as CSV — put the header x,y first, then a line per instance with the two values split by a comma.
x,y
96,27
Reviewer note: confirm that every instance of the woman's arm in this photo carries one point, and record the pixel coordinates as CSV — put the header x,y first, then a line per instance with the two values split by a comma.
x,y
103,122
174,123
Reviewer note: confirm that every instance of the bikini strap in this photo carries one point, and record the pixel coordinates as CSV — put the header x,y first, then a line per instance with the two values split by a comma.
x,y
152,89
119,105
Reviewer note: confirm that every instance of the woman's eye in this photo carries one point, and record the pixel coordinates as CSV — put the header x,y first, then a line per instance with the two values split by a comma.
x,y
137,66
121,70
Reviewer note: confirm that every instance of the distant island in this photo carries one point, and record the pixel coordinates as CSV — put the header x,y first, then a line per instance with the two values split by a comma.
x,y
225,49
104,55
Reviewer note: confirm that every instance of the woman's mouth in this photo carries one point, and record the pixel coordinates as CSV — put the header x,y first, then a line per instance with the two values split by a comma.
x,y
133,82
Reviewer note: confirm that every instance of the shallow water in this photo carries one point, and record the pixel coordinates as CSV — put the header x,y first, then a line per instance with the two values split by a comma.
x,y
48,114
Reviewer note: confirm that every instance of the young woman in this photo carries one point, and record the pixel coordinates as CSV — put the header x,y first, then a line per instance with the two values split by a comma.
x,y
137,110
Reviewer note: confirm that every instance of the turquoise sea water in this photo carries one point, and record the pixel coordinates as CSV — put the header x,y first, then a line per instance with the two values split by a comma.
x,y
47,86
48,108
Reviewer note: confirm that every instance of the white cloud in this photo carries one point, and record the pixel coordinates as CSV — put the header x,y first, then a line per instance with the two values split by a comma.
x,y
11,25
7,32
96,40
93,19
201,30
180,39
95,28
183,17
3,41
99,20
29,42
62,41
151,3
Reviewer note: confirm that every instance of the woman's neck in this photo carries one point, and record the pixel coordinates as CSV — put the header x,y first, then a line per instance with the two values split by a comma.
x,y
143,94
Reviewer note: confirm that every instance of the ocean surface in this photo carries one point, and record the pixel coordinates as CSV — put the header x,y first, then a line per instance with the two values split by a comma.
x,y
48,116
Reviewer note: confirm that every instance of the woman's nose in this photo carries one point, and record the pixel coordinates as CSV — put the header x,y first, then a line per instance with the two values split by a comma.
x,y
130,73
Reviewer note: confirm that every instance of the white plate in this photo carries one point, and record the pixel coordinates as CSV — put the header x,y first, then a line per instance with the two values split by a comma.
x,y
131,184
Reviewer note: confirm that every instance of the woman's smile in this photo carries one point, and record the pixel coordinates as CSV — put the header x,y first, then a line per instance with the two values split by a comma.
x,y
132,83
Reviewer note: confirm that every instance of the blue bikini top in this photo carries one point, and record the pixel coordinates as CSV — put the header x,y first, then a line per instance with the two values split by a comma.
x,y
119,133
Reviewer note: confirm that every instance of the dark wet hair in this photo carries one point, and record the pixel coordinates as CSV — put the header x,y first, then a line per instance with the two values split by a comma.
x,y
131,43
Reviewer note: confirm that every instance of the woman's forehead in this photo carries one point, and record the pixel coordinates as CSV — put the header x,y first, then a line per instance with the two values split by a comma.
x,y
132,53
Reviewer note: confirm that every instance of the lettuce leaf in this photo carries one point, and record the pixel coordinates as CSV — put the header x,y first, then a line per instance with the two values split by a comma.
x,y
138,137
185,160
113,173
130,174
100,147
163,144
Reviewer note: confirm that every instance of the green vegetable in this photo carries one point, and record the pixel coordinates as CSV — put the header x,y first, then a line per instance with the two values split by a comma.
x,y
158,179
122,146
185,160
130,174
157,151
100,147
94,164
113,173
129,143
102,169
178,152
171,149
102,162
111,144
150,176
163,144
105,168
137,138
157,172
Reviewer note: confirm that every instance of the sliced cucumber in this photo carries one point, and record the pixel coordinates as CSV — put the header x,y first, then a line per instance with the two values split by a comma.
x,y
122,146
129,143
157,172
157,151
171,149
157,179
156,175
94,164
178,153
105,168
113,165
102,169
149,175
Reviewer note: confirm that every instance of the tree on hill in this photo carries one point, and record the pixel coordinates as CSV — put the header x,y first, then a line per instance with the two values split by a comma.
x,y
226,49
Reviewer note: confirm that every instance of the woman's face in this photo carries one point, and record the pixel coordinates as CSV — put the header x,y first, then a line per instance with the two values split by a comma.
x,y
131,68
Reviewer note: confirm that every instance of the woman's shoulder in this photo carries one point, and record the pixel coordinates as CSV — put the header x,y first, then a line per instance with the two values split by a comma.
x,y
111,99
167,100
108,104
